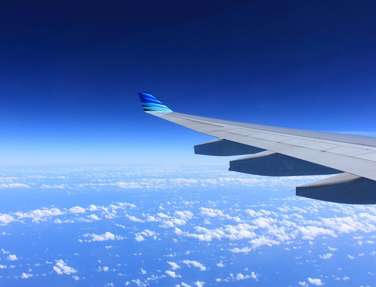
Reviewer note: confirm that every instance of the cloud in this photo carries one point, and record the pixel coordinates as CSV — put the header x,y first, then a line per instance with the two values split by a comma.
x,y
107,236
134,219
77,210
61,268
168,221
14,185
140,236
184,214
241,276
52,186
103,269
220,264
238,277
315,281
244,250
172,181
6,218
172,274
211,212
68,215
216,213
173,265
25,275
326,256
12,257
195,264
311,232
231,232
39,215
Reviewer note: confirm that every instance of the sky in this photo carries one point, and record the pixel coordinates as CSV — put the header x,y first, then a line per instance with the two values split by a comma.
x,y
70,72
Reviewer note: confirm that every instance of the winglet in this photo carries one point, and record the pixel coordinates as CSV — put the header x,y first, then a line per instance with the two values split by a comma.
x,y
152,104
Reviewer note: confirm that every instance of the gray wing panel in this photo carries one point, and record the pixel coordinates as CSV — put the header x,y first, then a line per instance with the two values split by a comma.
x,y
354,155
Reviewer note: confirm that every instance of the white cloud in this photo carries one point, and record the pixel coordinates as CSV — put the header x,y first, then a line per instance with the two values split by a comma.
x,y
52,186
172,274
14,185
184,214
6,218
173,265
253,275
93,217
25,275
140,236
195,264
220,264
263,222
39,215
241,276
103,268
106,236
244,250
199,284
262,241
134,219
315,281
61,268
211,212
326,256
232,232
311,232
216,213
12,257
67,215
77,210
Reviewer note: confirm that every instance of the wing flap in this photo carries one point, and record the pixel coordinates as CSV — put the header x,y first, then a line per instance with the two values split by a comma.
x,y
268,163
342,188
224,147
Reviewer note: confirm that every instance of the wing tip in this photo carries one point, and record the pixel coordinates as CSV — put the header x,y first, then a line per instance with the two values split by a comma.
x,y
152,104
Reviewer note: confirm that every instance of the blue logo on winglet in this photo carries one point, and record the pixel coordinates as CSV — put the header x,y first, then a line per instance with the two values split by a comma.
x,y
152,104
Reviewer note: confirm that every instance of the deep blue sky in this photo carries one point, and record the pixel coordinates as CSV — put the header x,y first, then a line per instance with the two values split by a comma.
x,y
70,73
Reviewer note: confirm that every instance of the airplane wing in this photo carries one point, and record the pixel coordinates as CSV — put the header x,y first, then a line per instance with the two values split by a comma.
x,y
276,151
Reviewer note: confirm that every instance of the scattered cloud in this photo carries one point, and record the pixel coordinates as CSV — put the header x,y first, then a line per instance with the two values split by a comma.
x,y
315,281
106,236
326,256
173,265
140,236
77,210
25,275
195,264
14,185
6,218
172,274
199,283
12,257
61,268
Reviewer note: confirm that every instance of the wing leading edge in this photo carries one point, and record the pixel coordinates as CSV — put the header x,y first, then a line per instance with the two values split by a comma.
x,y
275,151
